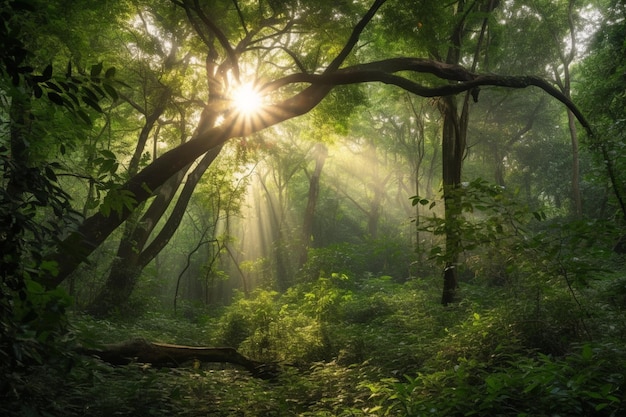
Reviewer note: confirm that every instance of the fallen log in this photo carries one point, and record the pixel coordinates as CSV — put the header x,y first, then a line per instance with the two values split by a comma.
x,y
168,355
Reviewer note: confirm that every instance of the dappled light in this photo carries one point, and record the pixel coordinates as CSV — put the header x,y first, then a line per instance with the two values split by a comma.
x,y
312,208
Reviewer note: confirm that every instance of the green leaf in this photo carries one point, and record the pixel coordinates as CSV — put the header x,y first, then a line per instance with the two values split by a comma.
x,y
587,353
98,90
89,93
110,73
50,174
96,69
37,91
47,73
91,103
111,91
74,98
107,154
55,98
53,86
84,117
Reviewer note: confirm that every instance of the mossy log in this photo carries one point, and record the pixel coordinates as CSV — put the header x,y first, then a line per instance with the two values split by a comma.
x,y
168,355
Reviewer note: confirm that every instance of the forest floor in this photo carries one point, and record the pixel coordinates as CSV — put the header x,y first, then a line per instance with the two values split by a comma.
x,y
378,348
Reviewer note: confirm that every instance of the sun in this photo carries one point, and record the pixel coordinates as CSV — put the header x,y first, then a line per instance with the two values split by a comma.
x,y
247,99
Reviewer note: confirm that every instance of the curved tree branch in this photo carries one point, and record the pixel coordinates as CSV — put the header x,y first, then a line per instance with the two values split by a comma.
x,y
94,230
384,71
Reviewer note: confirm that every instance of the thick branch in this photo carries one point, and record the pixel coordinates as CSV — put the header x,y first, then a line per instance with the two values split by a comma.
x,y
384,71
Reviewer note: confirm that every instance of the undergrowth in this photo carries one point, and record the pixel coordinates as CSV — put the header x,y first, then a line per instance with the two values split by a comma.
x,y
360,347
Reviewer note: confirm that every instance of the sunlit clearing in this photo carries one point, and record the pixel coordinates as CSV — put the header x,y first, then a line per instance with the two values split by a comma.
x,y
247,99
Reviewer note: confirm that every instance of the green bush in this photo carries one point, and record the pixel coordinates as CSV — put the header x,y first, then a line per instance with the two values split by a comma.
x,y
386,255
589,382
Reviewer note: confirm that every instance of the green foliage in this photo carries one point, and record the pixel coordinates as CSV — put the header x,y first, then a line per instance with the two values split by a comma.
x,y
492,217
602,89
385,255
35,211
363,347
338,108
583,383
268,330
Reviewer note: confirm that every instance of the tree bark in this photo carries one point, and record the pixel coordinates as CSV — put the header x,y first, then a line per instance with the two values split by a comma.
x,y
320,152
453,150
168,355
133,255
576,195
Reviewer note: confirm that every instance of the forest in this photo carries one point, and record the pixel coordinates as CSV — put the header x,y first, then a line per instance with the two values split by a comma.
x,y
313,208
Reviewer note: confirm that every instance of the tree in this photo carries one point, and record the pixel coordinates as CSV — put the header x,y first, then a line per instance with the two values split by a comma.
x,y
291,95
602,84
320,152
561,19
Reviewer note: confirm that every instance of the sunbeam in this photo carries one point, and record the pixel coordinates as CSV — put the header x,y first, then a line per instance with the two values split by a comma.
x,y
247,99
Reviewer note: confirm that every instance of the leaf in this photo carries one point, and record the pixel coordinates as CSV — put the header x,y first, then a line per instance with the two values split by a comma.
x,y
47,73
55,98
53,86
84,117
110,73
37,91
68,72
587,353
50,174
91,103
90,94
74,98
98,90
52,267
107,154
111,91
96,69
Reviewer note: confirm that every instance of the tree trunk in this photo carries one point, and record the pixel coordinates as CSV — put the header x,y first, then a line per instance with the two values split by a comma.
x,y
576,196
453,149
133,255
167,355
320,152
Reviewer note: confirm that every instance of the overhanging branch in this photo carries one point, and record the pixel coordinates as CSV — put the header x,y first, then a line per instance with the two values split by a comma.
x,y
385,72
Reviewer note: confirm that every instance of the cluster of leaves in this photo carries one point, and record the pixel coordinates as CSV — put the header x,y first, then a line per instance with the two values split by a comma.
x,y
35,211
492,215
586,382
385,255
